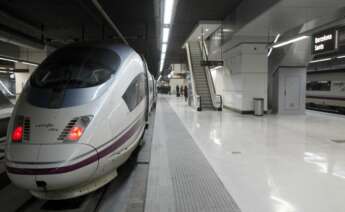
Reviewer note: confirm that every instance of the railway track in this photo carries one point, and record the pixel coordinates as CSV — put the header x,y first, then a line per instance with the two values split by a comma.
x,y
87,203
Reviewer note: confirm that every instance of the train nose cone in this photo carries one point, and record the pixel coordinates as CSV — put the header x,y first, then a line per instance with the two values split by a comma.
x,y
51,167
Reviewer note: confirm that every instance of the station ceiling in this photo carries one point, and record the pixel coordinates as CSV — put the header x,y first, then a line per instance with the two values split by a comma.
x,y
188,14
65,21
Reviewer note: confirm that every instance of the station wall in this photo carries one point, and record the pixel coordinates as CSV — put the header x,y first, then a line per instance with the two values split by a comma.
x,y
244,76
33,55
174,82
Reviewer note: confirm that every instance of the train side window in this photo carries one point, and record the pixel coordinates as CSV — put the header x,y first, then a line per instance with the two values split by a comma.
x,y
131,95
319,86
338,86
135,92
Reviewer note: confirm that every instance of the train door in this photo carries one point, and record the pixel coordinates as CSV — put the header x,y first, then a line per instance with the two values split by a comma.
x,y
292,83
292,92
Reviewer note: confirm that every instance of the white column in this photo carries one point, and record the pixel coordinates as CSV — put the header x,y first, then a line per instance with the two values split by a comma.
x,y
245,76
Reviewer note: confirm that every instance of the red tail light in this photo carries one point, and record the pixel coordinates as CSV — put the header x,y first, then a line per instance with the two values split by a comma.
x,y
75,133
17,134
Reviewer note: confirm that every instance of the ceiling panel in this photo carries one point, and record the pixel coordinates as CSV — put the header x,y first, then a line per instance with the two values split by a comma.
x,y
188,14
76,20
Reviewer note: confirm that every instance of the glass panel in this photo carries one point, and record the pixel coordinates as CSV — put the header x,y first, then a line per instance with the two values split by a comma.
x,y
319,86
76,67
135,93
338,86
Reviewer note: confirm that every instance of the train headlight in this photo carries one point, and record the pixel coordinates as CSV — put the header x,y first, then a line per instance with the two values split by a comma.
x,y
21,129
75,129
75,133
17,134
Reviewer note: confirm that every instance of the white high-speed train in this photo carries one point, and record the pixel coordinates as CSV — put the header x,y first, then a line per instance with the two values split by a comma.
x,y
79,117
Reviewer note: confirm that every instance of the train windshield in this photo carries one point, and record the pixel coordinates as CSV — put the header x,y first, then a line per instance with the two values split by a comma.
x,y
76,67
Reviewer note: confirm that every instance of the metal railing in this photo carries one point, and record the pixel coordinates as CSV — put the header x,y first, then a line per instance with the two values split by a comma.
x,y
219,102
195,96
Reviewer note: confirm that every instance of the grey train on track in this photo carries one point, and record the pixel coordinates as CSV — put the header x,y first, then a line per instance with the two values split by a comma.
x,y
80,116
326,91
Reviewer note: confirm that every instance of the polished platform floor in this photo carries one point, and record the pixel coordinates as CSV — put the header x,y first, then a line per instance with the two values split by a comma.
x,y
265,164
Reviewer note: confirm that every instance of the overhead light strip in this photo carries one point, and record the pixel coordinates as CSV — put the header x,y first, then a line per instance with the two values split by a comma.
x,y
167,18
164,47
165,36
340,57
289,41
168,11
30,64
7,59
275,41
276,38
320,60
269,52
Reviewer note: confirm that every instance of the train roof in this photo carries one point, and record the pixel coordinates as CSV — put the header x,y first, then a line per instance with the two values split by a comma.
x,y
122,50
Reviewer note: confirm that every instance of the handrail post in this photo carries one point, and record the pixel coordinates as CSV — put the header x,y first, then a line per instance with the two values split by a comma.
x,y
199,108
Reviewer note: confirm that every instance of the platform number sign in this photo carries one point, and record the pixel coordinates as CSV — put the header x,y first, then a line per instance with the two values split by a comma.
x,y
324,42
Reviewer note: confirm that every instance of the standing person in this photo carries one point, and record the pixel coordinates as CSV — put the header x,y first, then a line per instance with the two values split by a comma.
x,y
185,93
181,90
177,91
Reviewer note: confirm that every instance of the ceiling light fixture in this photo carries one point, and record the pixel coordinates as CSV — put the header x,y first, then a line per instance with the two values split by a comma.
x,y
320,60
227,30
6,59
30,64
168,11
289,41
166,32
269,52
276,38
340,57
275,41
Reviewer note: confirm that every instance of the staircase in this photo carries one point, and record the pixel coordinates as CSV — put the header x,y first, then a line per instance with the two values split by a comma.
x,y
199,75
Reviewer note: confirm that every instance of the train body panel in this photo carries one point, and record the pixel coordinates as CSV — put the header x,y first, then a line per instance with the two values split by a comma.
x,y
73,143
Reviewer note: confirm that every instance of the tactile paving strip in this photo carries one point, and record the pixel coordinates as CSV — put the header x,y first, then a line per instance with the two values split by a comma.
x,y
196,187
